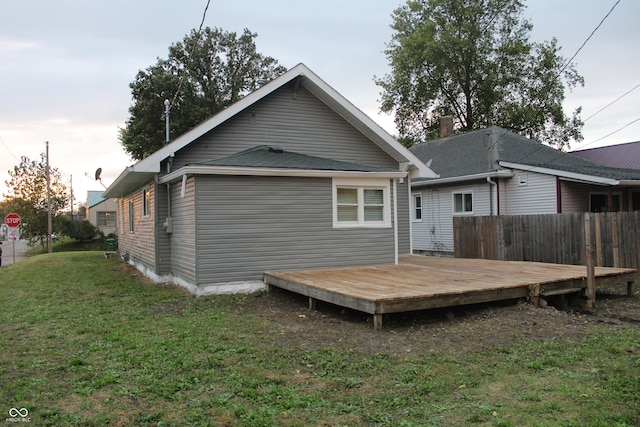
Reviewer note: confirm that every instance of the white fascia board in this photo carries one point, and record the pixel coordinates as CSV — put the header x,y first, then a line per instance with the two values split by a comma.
x,y
361,121
153,161
462,178
571,176
324,92
247,171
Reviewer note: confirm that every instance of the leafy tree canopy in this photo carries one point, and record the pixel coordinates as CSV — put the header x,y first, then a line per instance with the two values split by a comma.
x,y
473,60
203,74
28,197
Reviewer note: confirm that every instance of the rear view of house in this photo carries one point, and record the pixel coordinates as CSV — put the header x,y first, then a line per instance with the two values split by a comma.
x,y
292,176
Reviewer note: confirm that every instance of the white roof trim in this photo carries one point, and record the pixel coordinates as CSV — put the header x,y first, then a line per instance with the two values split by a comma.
x,y
462,178
252,171
573,176
320,89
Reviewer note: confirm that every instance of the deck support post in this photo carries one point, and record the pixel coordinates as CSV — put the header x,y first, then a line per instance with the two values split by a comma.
x,y
591,276
630,288
312,303
534,294
377,321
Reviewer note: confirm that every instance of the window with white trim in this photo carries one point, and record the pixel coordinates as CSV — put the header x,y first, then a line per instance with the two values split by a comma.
x,y
359,204
463,203
417,207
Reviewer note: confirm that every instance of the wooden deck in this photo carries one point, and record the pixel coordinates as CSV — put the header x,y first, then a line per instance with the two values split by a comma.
x,y
421,282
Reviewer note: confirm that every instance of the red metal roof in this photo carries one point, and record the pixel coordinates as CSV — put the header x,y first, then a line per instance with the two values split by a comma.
x,y
618,156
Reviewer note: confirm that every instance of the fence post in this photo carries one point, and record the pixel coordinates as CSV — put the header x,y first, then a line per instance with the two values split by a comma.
x,y
614,239
588,248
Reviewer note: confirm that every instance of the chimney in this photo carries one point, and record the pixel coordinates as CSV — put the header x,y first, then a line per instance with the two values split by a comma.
x,y
446,126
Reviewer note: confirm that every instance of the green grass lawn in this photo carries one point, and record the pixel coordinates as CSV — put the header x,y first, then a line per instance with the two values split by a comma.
x,y
85,341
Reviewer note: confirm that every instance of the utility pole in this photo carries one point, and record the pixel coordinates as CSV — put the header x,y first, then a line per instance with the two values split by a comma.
x,y
49,227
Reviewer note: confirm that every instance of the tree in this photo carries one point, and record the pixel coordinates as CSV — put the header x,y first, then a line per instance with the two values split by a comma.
x,y
203,74
28,197
82,231
473,60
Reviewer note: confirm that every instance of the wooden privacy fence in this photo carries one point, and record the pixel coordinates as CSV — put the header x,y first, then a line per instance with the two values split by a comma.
x,y
559,239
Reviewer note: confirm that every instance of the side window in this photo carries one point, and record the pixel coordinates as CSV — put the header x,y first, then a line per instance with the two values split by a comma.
x,y
417,207
357,204
463,203
146,209
131,216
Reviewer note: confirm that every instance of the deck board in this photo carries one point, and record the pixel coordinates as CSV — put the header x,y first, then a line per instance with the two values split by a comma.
x,y
422,282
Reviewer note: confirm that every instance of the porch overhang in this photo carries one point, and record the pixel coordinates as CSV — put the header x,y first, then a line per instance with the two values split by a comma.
x,y
572,176
463,178
257,171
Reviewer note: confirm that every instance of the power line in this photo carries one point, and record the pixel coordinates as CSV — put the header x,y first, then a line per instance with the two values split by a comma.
x,y
613,102
193,48
7,147
615,131
588,38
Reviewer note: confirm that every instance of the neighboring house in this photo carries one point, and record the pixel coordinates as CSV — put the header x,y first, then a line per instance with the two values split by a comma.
x,y
616,156
496,172
292,176
102,212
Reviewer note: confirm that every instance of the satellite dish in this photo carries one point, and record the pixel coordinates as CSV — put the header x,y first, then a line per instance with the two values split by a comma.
x,y
98,173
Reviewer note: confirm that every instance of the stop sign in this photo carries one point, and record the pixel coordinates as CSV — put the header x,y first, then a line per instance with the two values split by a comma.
x,y
12,220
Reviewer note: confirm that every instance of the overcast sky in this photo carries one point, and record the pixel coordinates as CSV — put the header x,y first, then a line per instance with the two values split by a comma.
x,y
66,65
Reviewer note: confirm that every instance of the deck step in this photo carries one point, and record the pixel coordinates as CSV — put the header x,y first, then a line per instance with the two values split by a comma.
x,y
563,291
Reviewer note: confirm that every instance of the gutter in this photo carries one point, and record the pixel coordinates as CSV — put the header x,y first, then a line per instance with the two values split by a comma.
x,y
455,179
249,171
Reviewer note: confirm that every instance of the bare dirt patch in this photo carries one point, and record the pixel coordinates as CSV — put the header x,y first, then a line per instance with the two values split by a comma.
x,y
459,329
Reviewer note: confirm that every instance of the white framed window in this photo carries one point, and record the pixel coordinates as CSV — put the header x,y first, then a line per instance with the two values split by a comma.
x,y
417,207
361,203
463,203
146,203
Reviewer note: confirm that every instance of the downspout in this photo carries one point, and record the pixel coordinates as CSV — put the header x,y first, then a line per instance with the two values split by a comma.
x,y
395,220
494,185
558,195
411,210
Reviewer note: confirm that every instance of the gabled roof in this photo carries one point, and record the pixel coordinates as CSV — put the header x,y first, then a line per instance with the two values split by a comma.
x,y
94,198
264,156
135,176
494,151
618,156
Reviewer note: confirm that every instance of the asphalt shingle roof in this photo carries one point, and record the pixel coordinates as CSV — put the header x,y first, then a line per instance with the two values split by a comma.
x,y
480,151
264,156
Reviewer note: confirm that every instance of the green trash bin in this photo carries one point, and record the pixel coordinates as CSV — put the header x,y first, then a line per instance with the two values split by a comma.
x,y
112,244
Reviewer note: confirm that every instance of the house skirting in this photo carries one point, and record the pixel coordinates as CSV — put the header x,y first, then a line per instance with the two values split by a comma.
x,y
240,287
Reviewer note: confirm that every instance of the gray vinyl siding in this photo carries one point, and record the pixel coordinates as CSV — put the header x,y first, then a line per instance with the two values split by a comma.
x,y
537,196
249,225
139,244
163,244
183,238
302,124
404,213
435,232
